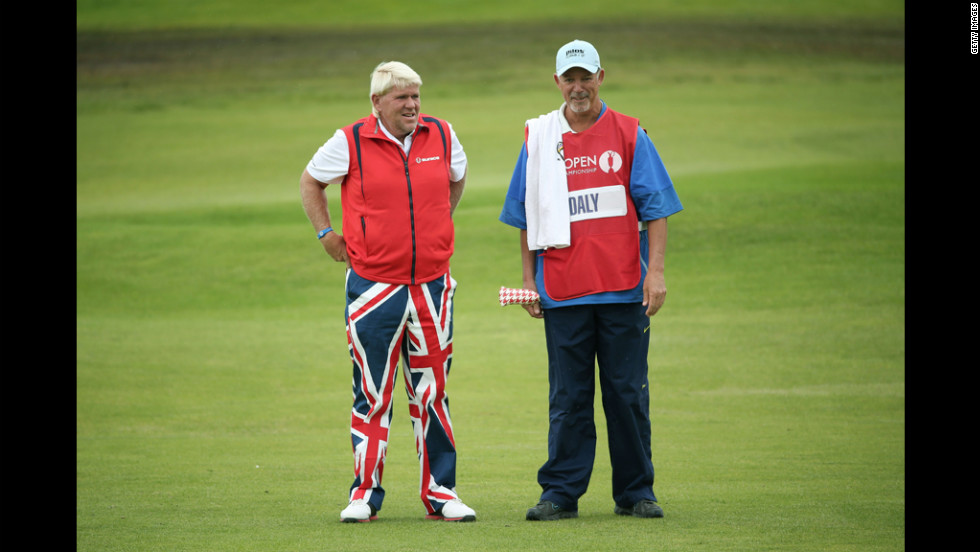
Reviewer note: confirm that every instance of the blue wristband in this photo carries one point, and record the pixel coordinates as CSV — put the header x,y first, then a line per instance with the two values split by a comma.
x,y
321,233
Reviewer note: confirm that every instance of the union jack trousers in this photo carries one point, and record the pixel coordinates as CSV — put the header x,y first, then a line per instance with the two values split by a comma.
x,y
386,322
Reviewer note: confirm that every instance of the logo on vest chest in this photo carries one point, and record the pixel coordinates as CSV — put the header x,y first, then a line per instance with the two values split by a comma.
x,y
608,161
421,160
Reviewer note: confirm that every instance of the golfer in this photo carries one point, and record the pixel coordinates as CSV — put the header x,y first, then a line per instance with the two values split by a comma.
x,y
401,174
591,198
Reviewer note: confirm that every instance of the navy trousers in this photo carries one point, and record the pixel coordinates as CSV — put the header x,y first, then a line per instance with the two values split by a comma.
x,y
617,336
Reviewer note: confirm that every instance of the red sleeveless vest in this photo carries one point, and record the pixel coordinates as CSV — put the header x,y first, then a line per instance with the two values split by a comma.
x,y
605,241
397,222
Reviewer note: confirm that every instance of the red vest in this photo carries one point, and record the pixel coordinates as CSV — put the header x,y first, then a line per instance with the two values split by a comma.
x,y
605,240
397,222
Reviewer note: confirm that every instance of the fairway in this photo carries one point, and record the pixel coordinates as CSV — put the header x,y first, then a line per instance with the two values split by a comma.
x,y
213,378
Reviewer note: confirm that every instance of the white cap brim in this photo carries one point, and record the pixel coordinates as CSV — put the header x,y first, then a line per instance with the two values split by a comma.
x,y
588,67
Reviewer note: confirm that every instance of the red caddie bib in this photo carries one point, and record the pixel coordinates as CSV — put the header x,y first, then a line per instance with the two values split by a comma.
x,y
605,242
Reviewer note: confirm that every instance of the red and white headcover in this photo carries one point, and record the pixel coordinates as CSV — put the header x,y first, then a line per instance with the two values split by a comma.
x,y
513,296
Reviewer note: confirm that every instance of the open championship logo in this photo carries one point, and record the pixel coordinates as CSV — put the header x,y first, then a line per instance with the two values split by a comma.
x,y
610,161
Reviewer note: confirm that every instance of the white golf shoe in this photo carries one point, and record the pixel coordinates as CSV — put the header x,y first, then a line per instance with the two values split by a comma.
x,y
454,510
358,511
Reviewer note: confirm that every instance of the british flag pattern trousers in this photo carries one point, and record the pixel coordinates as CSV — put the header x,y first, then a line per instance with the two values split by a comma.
x,y
414,323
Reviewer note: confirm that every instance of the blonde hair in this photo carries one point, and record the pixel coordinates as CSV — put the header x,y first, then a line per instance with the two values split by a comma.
x,y
391,74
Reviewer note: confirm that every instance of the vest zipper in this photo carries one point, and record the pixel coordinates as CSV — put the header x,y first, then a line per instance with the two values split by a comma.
x,y
411,213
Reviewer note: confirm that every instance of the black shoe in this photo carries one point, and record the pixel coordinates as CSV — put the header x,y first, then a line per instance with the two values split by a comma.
x,y
643,509
547,510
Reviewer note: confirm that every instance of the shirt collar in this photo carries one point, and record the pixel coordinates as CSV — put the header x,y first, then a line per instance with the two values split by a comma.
x,y
407,145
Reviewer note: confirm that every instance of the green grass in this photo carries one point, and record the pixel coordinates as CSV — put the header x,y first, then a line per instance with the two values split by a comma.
x,y
213,384
155,14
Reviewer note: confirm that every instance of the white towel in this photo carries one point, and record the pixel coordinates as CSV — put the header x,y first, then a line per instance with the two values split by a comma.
x,y
546,196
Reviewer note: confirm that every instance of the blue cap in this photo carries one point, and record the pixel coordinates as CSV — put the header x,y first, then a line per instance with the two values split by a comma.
x,y
577,53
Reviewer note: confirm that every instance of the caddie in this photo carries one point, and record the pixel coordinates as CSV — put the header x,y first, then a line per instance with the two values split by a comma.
x,y
591,198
